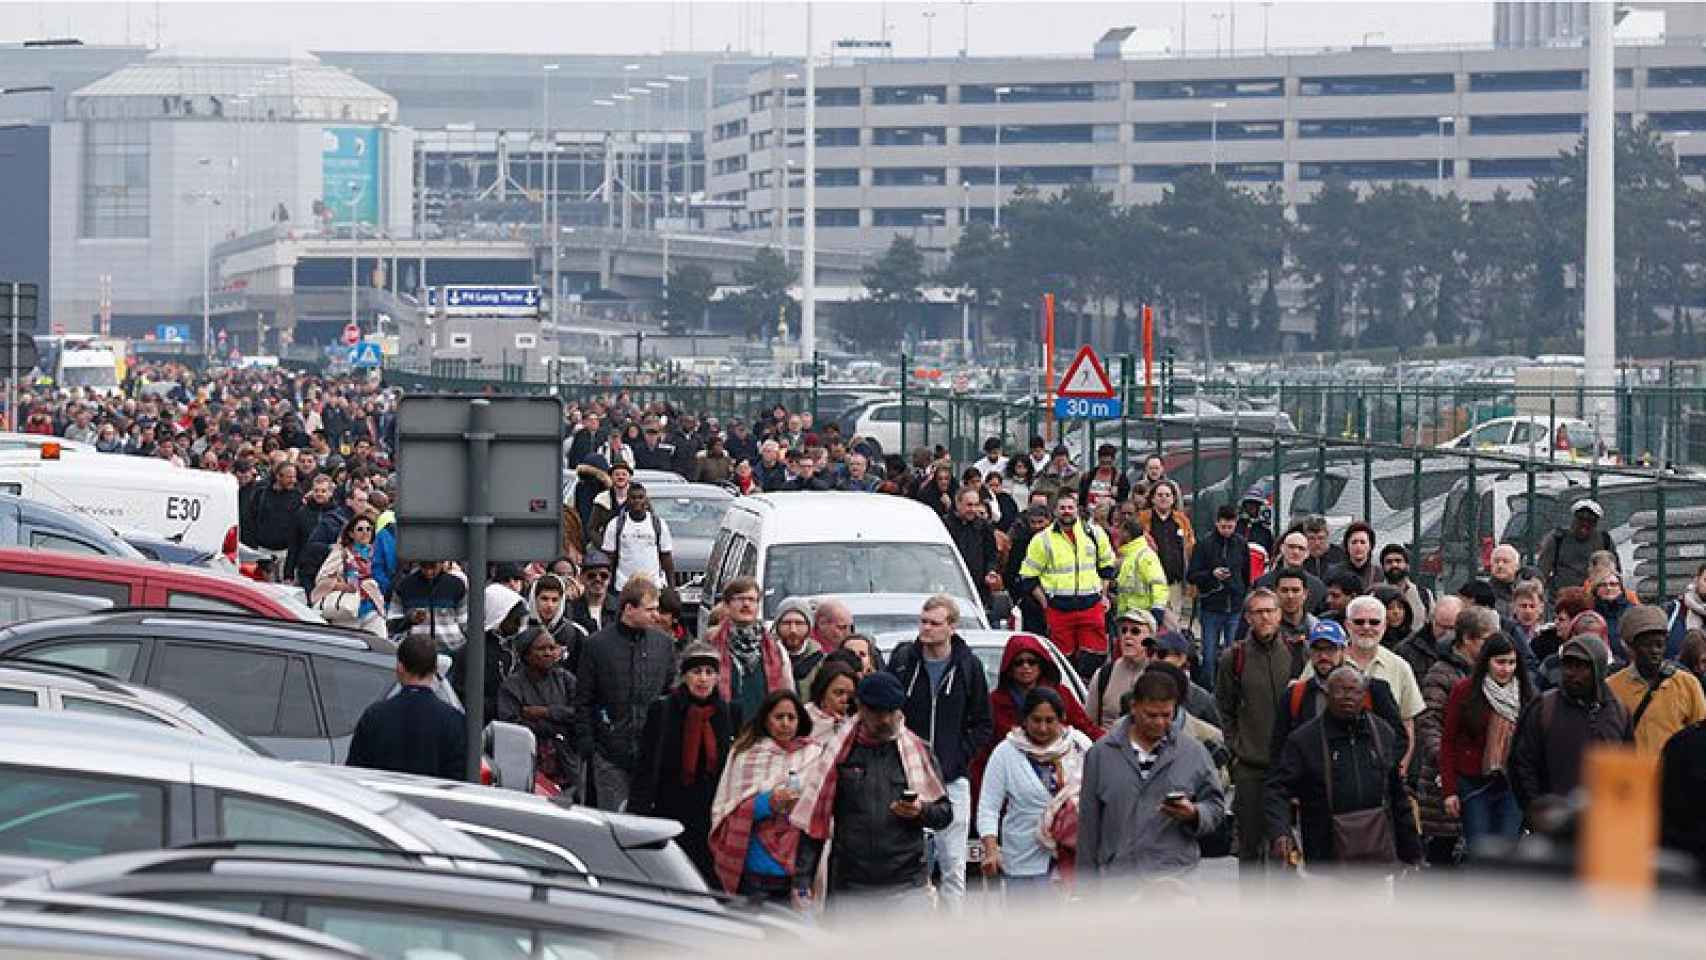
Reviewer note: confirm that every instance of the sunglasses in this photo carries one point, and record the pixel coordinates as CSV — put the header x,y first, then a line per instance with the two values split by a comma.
x,y
1368,623
1133,628
596,575
1027,662
364,528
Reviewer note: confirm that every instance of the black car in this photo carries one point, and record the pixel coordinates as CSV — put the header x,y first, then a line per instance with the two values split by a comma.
x,y
395,909
297,689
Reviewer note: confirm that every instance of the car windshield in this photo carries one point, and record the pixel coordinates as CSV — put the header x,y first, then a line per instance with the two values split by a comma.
x,y
807,569
691,518
103,376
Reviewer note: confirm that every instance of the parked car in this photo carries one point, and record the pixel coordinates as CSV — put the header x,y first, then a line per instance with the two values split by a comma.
x,y
142,583
645,478
693,511
1534,437
297,689
84,925
43,526
880,420
49,686
988,646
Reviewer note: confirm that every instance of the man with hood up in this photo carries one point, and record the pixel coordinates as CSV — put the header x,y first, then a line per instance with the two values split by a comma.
x,y
548,605
1555,729
506,613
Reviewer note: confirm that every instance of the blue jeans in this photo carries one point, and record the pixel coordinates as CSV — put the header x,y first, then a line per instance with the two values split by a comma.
x,y
1218,629
1489,810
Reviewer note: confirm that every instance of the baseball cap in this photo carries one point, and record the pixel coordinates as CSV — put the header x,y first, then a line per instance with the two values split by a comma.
x,y
1327,631
1590,505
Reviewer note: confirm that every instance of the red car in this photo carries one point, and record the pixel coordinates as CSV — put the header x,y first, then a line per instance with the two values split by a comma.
x,y
140,583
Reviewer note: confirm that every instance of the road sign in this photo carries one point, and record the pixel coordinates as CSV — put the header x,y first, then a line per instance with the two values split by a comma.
x,y
366,355
172,332
491,301
1087,408
352,334
1086,378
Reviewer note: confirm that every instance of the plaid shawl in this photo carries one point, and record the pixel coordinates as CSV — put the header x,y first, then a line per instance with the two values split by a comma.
x,y
757,770
817,800
778,674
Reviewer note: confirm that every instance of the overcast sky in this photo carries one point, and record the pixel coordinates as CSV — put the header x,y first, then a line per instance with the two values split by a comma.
x,y
996,26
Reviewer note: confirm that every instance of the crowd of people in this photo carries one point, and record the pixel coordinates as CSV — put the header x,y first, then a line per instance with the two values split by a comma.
x,y
1244,690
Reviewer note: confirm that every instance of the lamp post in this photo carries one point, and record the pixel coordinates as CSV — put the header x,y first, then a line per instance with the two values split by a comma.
x,y
686,144
1217,17
622,178
1214,135
661,87
999,93
645,172
929,34
965,302
354,252
548,208
1439,167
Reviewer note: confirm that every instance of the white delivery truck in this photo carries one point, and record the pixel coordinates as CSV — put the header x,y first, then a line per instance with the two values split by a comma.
x,y
80,361
197,508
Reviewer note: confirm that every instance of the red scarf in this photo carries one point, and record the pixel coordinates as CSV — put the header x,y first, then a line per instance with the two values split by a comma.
x,y
698,742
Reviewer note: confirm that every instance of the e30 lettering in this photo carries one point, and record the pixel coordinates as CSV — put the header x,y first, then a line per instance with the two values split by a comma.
x,y
183,508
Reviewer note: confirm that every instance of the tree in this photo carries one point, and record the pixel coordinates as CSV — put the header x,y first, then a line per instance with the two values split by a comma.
x,y
767,279
1213,249
690,290
975,267
892,284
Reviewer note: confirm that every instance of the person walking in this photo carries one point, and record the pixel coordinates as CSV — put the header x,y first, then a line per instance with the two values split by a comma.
x,y
684,746
413,731
1067,568
1141,583
831,703
1220,572
755,847
1026,666
754,664
1253,679
344,589
1111,683
540,695
623,668
1306,697
638,541
1441,830
1480,722
1554,732
974,538
1028,799
1662,698
793,627
506,614
1564,554
1171,534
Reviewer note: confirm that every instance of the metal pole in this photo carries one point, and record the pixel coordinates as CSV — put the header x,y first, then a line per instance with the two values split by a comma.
x,y
206,282
808,256
1599,336
478,521
12,376
998,158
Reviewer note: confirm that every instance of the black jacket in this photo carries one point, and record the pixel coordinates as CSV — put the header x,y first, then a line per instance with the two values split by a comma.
x,y
1365,775
976,543
500,660
621,671
1214,550
1033,618
1682,817
872,847
274,515
412,732
954,717
302,527
660,457
657,789
1547,748
1381,701
772,477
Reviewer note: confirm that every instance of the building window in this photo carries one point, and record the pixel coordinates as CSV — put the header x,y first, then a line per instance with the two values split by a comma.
x,y
759,101
759,140
1526,80
908,136
1252,172
838,96
115,179
1373,169
1160,172
1512,168
1040,175
1367,127
1678,120
1375,85
1206,130
838,176
1518,124
908,177
727,165
908,217
1039,92
1034,133
1207,89
908,96
1692,164
759,179
837,216
838,136
1675,76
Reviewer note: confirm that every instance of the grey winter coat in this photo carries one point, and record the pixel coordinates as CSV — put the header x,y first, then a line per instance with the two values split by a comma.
x,y
1121,829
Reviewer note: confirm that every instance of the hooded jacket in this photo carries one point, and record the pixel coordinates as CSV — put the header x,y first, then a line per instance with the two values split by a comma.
x,y
500,654
1006,702
953,716
1555,729
560,627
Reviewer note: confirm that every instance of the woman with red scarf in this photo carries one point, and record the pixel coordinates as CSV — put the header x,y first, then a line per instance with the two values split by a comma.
x,y
754,845
684,746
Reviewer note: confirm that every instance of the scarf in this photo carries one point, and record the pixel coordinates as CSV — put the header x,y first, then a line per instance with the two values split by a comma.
x,y
1505,703
824,725
698,741
816,807
747,649
761,768
1695,609
1057,830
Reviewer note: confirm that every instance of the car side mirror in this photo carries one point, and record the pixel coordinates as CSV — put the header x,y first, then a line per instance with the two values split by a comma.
x,y
513,751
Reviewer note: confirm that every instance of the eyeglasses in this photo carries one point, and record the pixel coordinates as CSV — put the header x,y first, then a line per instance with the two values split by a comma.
x,y
1132,628
596,575
1027,662
1368,623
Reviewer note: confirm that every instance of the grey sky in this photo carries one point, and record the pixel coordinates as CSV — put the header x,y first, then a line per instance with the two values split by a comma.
x,y
1041,27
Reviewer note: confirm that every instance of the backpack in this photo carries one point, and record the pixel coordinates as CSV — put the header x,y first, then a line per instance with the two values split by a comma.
x,y
1557,537
621,521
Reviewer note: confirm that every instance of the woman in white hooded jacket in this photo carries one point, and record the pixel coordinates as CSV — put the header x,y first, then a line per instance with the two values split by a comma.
x,y
1030,791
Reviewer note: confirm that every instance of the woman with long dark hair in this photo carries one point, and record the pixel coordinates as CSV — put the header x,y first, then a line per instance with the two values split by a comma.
x,y
752,843
1399,616
685,744
831,704
1031,780
345,592
1480,720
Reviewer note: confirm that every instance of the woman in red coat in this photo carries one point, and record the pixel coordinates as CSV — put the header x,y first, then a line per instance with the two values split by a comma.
x,y
1480,720
1025,664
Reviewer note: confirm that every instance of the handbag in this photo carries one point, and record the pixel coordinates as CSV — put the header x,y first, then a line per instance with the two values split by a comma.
x,y
1361,836
339,607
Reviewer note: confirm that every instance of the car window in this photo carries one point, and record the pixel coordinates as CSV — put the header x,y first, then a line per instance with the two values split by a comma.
x,y
1396,490
389,934
114,593
809,569
296,714
347,688
886,414
1303,499
116,658
73,816
691,518
243,817
43,540
240,687
1524,432
106,708
1491,433
179,600
14,697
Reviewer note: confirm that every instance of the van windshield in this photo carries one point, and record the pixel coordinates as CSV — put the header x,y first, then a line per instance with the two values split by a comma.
x,y
808,569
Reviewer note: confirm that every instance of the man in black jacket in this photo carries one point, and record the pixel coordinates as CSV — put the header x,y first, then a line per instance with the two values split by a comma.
x,y
1361,775
1304,697
275,511
1294,555
947,704
1220,570
623,667
975,539
414,731
315,506
1032,520
651,453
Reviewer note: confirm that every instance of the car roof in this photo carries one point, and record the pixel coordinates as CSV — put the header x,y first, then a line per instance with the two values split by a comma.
x,y
701,491
23,560
116,736
198,625
827,516
172,914
81,935
37,509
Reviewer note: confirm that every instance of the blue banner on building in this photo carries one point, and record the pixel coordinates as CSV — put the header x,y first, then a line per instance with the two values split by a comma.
x,y
349,165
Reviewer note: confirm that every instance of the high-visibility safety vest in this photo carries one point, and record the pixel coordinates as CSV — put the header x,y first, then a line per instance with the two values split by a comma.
x,y
1142,581
1070,569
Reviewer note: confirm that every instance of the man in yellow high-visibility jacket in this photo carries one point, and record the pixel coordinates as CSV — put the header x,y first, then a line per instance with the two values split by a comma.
x,y
1142,581
1068,568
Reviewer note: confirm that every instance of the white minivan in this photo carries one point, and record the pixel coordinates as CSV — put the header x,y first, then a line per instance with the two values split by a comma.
x,y
196,508
890,550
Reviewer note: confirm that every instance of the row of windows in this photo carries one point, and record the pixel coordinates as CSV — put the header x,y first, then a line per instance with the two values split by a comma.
x,y
728,131
727,165
115,180
1207,129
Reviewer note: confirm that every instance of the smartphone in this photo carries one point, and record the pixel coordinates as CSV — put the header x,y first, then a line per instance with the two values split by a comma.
x,y
1176,797
909,796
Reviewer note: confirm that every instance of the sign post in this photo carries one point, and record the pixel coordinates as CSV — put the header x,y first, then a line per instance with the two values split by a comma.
x,y
18,301
1148,360
1085,393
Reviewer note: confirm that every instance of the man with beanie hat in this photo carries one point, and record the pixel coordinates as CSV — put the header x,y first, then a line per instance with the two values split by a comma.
x,y
1555,730
1661,698
875,788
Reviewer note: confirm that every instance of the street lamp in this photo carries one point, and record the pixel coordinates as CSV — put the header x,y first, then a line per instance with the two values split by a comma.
x,y
660,87
644,174
354,250
624,99
999,93
210,199
1214,135
1217,17
686,143
1439,169
548,208
929,34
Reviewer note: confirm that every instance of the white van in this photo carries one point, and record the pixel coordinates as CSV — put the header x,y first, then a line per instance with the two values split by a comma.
x,y
892,550
196,508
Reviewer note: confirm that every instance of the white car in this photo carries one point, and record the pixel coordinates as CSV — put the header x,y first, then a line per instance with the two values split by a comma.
x,y
1533,437
880,420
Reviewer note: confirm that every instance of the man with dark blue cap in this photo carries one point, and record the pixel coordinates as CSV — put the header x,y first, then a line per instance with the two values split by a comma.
x,y
876,788
1305,696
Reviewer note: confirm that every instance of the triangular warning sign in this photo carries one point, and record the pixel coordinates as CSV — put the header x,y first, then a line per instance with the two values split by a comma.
x,y
1085,377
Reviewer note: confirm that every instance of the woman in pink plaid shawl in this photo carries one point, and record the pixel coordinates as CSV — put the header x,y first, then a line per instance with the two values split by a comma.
x,y
752,842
